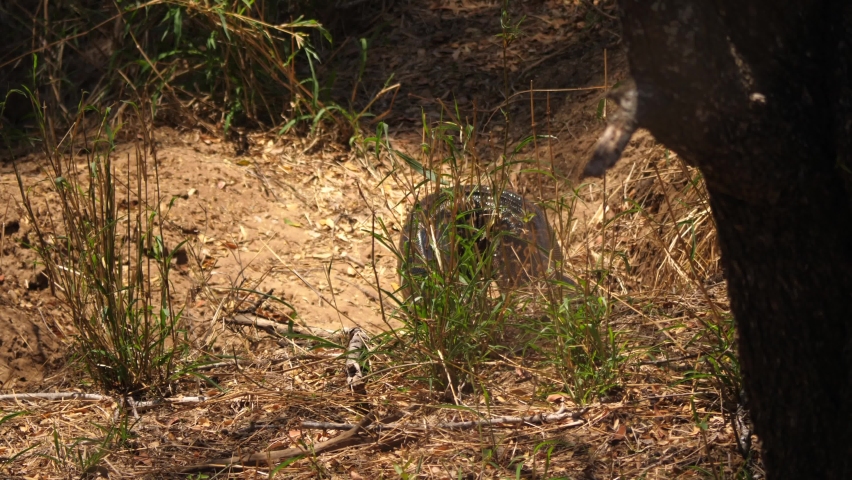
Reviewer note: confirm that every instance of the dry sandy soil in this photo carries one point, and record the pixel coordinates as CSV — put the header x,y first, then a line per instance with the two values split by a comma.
x,y
294,215
291,207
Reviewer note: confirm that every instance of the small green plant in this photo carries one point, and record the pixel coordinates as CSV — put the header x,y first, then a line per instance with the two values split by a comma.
x,y
85,455
240,52
548,447
6,417
281,466
587,352
103,249
246,63
718,339
403,469
452,314
456,314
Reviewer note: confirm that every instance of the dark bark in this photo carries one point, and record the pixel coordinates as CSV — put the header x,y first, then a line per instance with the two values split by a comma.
x,y
757,95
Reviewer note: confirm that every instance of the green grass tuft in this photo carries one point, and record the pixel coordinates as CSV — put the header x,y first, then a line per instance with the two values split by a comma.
x,y
99,237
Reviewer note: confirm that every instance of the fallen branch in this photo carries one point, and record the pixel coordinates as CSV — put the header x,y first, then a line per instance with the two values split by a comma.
x,y
94,397
670,360
55,396
128,401
254,306
280,329
537,419
162,401
351,437
211,366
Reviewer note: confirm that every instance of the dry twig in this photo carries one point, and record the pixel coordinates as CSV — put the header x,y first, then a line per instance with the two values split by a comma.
x,y
351,437
537,419
281,329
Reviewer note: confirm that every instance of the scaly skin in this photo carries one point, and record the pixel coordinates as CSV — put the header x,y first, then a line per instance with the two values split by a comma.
x,y
527,246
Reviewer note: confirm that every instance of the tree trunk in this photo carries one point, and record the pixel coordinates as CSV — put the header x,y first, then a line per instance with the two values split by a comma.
x,y
757,95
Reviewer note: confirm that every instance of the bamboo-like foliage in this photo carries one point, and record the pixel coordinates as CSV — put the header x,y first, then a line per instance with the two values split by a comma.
x,y
100,240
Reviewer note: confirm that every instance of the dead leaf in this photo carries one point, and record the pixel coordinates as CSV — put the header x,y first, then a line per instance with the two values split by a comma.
x,y
556,398
620,432
277,446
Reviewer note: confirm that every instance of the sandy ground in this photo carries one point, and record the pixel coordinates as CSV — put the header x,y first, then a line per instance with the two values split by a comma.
x,y
294,216
289,216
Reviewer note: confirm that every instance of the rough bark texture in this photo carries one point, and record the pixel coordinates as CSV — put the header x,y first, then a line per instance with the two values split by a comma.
x,y
757,95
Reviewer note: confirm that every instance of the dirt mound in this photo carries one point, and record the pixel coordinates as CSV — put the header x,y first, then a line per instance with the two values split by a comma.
x,y
28,348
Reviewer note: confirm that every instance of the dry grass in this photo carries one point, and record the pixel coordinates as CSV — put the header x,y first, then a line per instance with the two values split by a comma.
x,y
668,416
644,247
650,430
214,66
